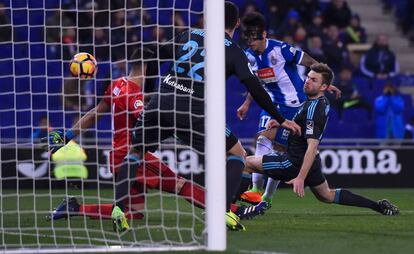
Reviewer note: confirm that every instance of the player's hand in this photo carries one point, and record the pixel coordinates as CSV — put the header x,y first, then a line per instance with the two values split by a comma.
x,y
334,89
298,186
272,123
242,111
292,126
54,141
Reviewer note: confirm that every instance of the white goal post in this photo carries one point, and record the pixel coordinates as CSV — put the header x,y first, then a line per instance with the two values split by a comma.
x,y
39,96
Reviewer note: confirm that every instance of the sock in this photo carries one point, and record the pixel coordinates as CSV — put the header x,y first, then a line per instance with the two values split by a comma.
x,y
234,169
246,181
271,187
345,197
263,147
158,175
194,194
126,174
104,211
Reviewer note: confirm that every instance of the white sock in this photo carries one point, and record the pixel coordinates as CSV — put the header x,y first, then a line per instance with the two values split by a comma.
x,y
263,146
271,187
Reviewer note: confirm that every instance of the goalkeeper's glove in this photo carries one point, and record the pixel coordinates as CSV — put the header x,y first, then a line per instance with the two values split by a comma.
x,y
56,139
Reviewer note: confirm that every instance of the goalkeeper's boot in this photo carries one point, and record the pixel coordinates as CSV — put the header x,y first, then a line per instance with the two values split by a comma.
x,y
252,196
119,220
268,202
233,222
67,208
387,208
248,212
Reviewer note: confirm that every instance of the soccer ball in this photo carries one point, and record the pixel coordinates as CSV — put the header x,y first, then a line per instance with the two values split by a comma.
x,y
83,65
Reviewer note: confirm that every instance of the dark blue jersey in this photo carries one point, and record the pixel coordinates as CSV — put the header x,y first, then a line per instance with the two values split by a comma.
x,y
312,118
186,75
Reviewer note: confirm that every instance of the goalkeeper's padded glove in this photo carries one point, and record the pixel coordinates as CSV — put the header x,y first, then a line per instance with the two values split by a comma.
x,y
56,139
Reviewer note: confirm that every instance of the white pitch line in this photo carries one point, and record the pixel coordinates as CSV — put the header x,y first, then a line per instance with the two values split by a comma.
x,y
261,252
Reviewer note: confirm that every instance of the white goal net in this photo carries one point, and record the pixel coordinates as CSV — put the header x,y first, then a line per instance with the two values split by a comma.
x,y
38,95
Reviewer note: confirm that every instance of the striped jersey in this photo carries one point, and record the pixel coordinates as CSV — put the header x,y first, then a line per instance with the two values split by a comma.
x,y
277,69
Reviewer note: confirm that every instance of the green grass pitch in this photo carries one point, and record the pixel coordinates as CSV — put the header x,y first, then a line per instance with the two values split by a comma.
x,y
292,225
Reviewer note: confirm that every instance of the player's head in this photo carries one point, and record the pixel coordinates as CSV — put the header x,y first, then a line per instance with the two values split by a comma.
x,y
318,80
231,15
253,25
140,58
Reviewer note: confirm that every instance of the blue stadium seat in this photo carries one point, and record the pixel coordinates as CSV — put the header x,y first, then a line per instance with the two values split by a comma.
x,y
37,50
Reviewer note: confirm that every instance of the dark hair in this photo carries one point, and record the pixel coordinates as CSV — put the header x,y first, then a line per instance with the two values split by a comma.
x,y
325,71
141,55
254,19
231,15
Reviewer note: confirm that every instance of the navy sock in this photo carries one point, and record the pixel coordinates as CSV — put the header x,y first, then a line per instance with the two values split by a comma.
x,y
245,183
345,197
234,169
126,174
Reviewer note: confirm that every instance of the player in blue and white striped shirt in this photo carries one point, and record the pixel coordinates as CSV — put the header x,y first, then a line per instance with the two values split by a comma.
x,y
275,64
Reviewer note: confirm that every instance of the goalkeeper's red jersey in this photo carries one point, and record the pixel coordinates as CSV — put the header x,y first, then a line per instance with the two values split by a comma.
x,y
126,101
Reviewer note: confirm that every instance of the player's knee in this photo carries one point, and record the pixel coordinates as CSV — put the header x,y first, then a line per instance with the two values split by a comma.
x,y
252,163
326,197
264,141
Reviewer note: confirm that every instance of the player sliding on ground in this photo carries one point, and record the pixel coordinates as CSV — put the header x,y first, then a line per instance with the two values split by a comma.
x,y
125,98
301,166
275,63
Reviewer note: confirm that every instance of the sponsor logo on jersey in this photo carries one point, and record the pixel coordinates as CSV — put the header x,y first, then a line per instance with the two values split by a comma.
x,y
267,75
172,82
309,127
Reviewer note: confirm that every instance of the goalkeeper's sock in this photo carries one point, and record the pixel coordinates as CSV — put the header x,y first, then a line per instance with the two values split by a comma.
x,y
345,197
234,169
158,175
193,193
126,174
104,211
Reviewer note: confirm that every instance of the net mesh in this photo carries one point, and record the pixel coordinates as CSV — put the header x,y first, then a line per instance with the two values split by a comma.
x,y
38,95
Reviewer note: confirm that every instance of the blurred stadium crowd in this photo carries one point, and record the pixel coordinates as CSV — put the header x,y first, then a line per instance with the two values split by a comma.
x,y
36,35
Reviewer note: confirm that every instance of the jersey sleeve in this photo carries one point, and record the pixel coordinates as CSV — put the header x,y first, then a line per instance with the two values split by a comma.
x,y
242,68
291,54
135,104
107,94
316,119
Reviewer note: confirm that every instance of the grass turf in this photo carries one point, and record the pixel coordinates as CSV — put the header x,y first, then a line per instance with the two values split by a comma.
x,y
292,225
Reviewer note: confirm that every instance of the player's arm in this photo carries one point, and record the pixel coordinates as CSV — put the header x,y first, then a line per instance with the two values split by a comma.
x,y
90,118
57,139
242,110
307,60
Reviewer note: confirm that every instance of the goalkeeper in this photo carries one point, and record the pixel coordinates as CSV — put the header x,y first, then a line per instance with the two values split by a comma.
x,y
178,109
125,98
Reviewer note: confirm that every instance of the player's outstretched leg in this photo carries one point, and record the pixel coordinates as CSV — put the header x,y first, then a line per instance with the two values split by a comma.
x,y
157,175
67,208
346,197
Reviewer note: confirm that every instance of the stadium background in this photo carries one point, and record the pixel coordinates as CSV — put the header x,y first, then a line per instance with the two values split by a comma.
x,y
33,71
36,35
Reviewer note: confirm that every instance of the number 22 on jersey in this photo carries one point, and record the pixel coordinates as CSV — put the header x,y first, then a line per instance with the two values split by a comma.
x,y
192,48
